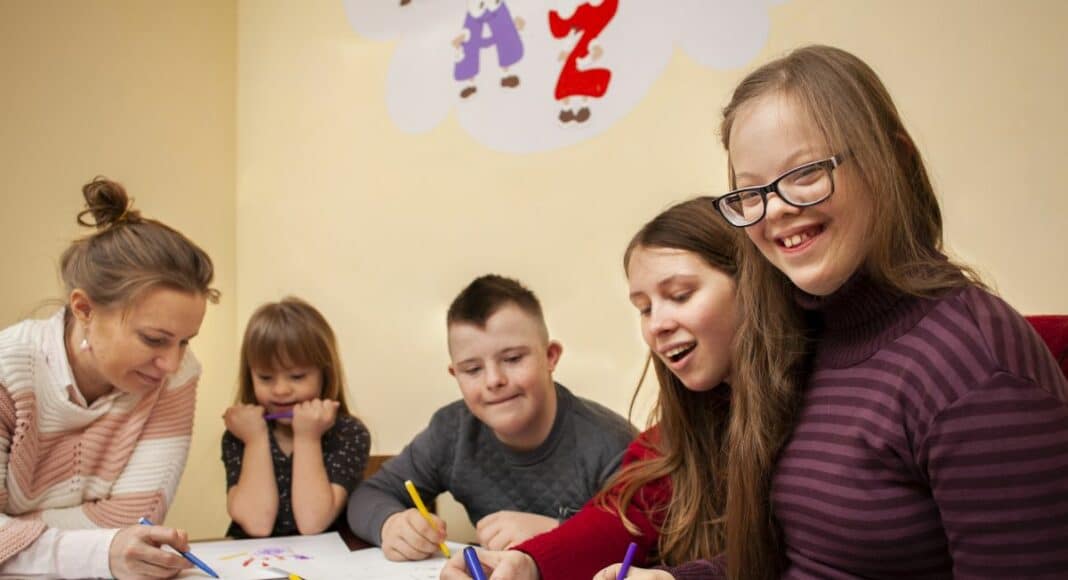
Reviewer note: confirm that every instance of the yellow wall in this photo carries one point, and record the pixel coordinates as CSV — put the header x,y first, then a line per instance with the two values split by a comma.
x,y
380,228
144,93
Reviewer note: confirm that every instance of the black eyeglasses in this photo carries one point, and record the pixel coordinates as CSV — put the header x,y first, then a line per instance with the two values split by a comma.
x,y
804,186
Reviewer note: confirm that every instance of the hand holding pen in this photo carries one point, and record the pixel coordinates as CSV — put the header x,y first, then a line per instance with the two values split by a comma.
x,y
413,534
136,551
182,547
624,571
511,564
407,536
418,501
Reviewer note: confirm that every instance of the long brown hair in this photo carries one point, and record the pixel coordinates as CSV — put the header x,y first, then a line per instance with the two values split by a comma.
x,y
291,332
690,447
854,113
129,254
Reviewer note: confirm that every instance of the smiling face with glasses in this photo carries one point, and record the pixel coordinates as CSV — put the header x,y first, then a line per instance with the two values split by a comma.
x,y
804,186
806,214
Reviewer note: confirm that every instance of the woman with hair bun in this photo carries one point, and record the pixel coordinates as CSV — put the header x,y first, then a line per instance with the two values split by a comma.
x,y
96,402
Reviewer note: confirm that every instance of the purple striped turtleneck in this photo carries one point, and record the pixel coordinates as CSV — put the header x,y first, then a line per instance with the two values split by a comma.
x,y
931,442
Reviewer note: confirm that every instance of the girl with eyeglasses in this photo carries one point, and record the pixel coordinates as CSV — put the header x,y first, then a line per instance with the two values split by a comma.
x,y
930,431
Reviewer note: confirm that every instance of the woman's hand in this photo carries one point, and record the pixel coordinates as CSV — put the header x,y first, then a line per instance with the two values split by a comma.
x,y
506,565
245,422
136,552
611,572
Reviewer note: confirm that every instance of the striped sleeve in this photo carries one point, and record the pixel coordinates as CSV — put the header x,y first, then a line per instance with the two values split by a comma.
x,y
15,534
997,462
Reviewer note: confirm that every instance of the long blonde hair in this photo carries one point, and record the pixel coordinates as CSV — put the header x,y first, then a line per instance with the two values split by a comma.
x,y
854,113
691,449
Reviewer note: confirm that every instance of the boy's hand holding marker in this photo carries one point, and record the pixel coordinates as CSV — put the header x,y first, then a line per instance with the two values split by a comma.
x,y
415,533
407,535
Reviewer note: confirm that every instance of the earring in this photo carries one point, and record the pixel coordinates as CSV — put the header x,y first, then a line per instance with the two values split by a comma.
x,y
84,344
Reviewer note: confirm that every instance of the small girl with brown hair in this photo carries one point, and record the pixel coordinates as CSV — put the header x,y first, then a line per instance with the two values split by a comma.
x,y
292,451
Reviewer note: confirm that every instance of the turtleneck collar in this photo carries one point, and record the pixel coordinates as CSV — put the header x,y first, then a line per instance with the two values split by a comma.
x,y
860,318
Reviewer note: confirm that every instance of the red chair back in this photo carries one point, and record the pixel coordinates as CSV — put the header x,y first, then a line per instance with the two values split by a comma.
x,y
1054,330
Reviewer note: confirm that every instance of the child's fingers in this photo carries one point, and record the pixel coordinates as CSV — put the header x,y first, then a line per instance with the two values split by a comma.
x,y
439,527
422,541
403,542
487,521
415,547
399,551
429,536
497,530
499,541
413,530
492,537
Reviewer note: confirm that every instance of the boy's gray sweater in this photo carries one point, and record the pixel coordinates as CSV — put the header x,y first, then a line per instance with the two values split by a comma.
x,y
459,454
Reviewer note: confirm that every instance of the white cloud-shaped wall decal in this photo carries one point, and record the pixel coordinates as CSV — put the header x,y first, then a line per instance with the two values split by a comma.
x,y
532,75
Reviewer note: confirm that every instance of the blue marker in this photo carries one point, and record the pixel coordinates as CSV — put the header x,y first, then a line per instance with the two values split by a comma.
x,y
631,549
473,565
187,555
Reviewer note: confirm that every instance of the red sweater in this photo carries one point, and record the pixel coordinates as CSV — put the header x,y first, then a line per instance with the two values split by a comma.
x,y
595,537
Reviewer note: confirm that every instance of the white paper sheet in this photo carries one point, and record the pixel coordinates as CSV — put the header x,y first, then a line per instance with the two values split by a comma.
x,y
372,563
311,557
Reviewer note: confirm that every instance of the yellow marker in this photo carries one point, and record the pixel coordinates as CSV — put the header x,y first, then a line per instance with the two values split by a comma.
x,y
424,512
288,575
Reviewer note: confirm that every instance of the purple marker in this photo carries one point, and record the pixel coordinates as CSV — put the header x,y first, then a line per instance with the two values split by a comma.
x,y
282,415
626,561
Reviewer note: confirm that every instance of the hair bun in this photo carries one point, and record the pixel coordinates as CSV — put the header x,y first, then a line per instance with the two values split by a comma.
x,y
106,201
